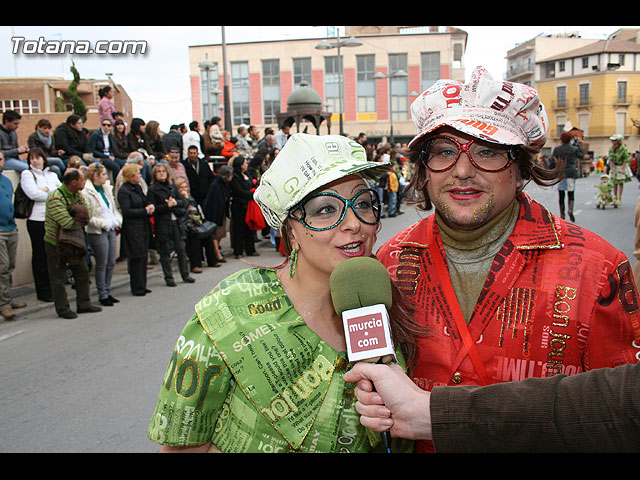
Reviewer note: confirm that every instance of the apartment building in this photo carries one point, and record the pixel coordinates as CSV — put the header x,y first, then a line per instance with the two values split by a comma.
x,y
595,88
522,59
383,70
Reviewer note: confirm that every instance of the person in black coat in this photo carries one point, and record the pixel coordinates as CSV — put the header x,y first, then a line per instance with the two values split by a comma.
x,y
570,153
199,175
139,141
136,228
120,145
216,205
195,244
169,207
71,138
137,138
242,188
173,138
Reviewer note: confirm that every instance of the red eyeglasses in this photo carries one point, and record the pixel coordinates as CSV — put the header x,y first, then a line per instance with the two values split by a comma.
x,y
441,153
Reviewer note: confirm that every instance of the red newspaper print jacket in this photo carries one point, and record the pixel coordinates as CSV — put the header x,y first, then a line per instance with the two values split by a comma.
x,y
558,299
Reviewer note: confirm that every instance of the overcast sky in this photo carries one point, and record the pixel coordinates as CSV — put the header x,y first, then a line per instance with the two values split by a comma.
x,y
158,81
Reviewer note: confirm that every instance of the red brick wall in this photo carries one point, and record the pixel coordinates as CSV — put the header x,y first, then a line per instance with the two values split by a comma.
x,y
414,80
350,107
286,88
317,79
196,100
255,94
382,95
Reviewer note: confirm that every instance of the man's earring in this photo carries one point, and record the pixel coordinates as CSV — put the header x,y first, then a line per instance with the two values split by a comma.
x,y
293,262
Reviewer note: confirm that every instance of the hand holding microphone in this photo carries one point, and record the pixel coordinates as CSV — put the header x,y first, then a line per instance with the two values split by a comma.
x,y
396,404
361,294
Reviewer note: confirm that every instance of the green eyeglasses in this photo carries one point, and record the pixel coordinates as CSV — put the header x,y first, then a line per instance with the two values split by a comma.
x,y
325,210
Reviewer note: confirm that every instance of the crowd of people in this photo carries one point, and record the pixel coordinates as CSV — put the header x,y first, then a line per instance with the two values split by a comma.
x,y
157,195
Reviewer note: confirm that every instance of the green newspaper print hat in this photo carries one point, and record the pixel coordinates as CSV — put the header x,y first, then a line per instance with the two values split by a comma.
x,y
305,164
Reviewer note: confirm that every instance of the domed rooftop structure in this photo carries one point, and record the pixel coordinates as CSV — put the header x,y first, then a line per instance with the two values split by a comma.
x,y
304,97
304,103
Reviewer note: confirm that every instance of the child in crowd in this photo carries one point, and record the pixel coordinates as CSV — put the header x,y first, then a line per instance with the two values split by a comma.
x,y
604,196
392,192
76,162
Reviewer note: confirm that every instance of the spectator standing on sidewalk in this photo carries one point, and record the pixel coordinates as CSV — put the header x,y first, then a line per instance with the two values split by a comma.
x,y
194,244
570,154
242,189
60,208
136,210
38,182
8,245
169,207
216,206
101,230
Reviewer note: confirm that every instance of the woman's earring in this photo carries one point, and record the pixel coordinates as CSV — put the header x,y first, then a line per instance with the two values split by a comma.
x,y
293,262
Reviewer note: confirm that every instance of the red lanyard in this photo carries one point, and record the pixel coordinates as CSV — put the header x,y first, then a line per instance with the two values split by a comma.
x,y
452,301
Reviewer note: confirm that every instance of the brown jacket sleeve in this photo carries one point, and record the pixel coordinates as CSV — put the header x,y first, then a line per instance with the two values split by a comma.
x,y
596,411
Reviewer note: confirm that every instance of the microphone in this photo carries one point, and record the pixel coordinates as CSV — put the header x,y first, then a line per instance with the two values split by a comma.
x,y
361,294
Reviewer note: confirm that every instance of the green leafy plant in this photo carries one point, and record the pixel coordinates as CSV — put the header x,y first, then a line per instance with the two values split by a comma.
x,y
72,92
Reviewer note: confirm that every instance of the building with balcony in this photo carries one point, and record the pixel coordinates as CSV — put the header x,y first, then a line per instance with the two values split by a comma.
x,y
380,77
595,88
522,59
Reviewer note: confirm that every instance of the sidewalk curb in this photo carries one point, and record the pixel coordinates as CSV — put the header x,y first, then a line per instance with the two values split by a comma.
x,y
26,293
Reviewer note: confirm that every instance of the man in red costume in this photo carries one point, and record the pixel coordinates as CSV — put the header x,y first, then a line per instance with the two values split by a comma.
x,y
506,289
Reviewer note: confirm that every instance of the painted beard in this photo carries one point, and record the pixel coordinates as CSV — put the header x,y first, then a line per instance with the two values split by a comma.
x,y
457,215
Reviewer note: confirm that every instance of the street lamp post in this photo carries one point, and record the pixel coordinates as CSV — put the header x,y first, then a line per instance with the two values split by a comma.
x,y
206,66
225,85
325,45
216,93
398,74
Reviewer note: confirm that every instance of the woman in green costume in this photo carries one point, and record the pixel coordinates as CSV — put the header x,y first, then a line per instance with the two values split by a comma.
x,y
259,365
620,162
